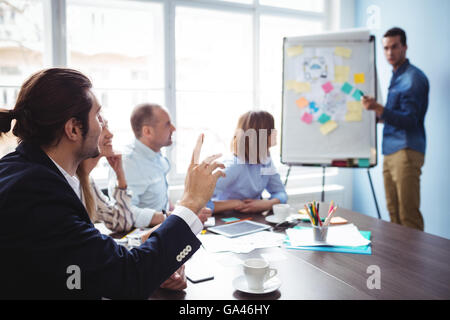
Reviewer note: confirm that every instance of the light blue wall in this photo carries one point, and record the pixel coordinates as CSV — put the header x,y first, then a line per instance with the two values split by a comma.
x,y
427,26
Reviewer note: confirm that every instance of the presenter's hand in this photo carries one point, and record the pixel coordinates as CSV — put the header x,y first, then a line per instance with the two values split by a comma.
x,y
371,104
200,179
177,280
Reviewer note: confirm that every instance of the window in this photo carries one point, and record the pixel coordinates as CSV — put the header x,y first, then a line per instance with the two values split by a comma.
x,y
306,5
213,78
21,45
118,44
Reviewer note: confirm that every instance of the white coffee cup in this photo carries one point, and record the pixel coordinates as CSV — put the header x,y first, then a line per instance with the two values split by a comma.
x,y
257,272
281,211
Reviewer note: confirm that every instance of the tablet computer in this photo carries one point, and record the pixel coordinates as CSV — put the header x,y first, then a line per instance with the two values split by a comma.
x,y
237,229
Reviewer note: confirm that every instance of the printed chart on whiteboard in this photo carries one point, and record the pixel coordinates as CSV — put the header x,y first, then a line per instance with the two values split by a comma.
x,y
324,79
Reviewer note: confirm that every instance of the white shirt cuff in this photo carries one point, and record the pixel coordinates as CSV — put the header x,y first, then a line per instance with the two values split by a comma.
x,y
142,216
189,217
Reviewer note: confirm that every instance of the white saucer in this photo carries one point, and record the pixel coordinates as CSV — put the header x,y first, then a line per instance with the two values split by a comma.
x,y
240,283
273,219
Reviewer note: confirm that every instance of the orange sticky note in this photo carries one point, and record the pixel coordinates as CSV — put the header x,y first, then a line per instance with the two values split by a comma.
x,y
302,102
359,78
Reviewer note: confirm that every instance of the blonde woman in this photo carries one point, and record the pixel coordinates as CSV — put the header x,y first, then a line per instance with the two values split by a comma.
x,y
116,215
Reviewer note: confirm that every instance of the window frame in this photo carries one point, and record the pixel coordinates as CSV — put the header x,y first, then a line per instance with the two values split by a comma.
x,y
56,51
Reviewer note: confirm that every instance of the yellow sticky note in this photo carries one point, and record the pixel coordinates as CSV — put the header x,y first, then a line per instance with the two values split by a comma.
x,y
294,51
353,116
341,74
359,78
290,84
302,87
343,52
302,102
328,127
354,106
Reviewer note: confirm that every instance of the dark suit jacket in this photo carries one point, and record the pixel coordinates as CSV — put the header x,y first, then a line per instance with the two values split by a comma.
x,y
45,229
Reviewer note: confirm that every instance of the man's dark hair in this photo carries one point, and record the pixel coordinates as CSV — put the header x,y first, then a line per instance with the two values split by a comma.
x,y
393,32
46,101
142,114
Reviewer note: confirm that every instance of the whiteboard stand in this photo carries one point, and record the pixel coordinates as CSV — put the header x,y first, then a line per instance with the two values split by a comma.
x,y
373,193
323,187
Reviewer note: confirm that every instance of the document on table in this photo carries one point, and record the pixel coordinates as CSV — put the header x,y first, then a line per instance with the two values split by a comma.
x,y
243,244
346,235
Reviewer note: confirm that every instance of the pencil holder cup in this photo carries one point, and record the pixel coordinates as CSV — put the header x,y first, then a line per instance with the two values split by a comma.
x,y
320,233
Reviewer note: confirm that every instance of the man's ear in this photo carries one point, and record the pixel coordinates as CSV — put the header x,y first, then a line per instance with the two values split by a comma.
x,y
147,131
72,129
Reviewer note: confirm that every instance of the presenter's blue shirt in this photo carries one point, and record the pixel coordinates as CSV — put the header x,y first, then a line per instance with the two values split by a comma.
x,y
405,110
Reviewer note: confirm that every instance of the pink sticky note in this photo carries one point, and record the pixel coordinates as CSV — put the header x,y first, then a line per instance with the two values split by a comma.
x,y
307,118
327,87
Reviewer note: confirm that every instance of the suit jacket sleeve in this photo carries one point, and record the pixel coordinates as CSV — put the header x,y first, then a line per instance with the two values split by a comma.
x,y
56,233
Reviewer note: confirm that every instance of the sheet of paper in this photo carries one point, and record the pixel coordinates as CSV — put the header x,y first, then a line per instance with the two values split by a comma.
x,y
345,235
307,118
211,222
327,87
328,127
341,73
294,51
353,116
313,107
354,106
358,94
302,87
347,88
359,78
343,52
302,102
243,244
324,118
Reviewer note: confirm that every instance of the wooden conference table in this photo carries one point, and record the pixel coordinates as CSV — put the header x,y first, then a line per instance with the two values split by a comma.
x,y
412,264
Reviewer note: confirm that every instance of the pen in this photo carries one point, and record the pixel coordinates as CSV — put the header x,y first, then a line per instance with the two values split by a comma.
x,y
318,215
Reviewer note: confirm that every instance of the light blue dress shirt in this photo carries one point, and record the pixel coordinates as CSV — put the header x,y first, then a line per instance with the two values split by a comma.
x,y
248,181
145,171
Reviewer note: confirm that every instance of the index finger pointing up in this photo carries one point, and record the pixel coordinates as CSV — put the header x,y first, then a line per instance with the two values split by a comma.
x,y
198,148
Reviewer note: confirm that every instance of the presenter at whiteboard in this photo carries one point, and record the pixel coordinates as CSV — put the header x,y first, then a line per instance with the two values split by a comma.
x,y
404,139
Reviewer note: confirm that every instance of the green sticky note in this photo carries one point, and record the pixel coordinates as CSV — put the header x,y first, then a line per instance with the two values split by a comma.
x,y
230,219
347,88
324,118
357,95
365,163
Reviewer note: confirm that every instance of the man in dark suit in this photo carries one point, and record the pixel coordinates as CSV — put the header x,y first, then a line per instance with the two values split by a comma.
x,y
50,248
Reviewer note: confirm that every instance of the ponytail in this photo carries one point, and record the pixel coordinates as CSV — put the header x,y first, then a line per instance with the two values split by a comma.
x,y
6,116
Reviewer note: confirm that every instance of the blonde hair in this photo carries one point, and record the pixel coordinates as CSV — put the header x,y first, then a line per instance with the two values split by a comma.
x,y
257,125
88,195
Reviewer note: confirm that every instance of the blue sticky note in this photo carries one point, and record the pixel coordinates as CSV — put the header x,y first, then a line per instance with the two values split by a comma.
x,y
312,106
357,95
324,118
230,219
365,163
347,88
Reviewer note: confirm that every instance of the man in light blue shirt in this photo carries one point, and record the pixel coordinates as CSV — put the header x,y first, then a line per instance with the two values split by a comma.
x,y
144,165
146,168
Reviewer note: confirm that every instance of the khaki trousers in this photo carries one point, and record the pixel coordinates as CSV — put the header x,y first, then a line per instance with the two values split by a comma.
x,y
401,171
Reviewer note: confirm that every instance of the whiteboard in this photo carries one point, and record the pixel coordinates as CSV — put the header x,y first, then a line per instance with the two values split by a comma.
x,y
323,120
